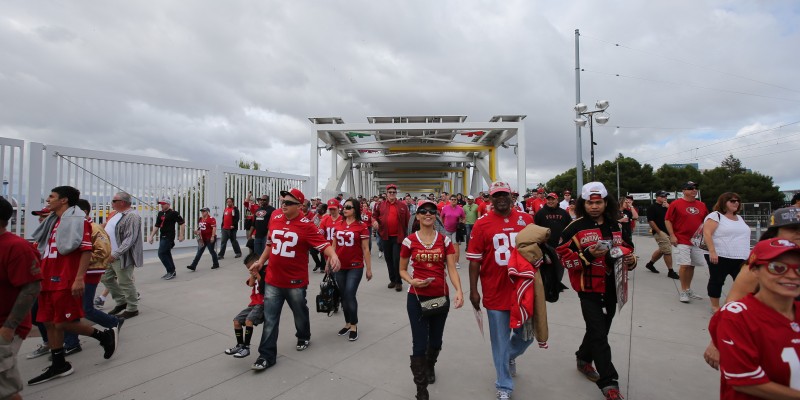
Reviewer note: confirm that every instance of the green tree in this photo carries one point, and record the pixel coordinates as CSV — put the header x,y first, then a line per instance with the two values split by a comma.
x,y
733,165
671,178
254,165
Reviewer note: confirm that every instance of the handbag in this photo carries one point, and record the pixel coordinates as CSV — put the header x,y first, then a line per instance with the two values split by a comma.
x,y
328,299
698,239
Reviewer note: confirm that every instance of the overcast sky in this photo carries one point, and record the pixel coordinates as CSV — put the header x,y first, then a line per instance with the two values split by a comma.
x,y
216,81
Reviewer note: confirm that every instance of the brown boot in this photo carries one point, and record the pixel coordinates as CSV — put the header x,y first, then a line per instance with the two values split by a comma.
x,y
430,357
418,366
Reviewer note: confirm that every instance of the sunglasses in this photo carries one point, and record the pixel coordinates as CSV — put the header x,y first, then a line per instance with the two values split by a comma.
x,y
115,201
779,268
425,211
348,207
392,192
263,200
288,203
733,200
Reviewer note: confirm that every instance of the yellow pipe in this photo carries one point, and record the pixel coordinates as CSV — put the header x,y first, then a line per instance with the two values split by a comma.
x,y
492,172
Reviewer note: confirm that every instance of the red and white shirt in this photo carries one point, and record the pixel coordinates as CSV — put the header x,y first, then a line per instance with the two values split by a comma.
x,y
19,266
490,243
256,295
428,263
686,217
327,226
59,270
756,345
227,218
348,238
206,227
290,240
366,216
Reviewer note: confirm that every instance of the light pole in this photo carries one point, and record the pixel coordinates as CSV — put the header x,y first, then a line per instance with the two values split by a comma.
x,y
601,119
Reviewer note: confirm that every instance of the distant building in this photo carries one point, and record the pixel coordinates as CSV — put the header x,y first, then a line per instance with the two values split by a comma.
x,y
694,165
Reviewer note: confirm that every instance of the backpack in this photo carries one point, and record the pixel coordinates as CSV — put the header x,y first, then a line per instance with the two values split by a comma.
x,y
329,297
551,271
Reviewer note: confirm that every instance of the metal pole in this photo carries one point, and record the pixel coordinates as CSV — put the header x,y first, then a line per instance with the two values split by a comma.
x,y
591,138
578,147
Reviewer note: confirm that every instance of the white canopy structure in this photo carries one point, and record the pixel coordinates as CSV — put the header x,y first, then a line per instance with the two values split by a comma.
x,y
420,154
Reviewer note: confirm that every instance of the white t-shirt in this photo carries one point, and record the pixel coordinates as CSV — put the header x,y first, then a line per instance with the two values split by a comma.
x,y
111,229
731,238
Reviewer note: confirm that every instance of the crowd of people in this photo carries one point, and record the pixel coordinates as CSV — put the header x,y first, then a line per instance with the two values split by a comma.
x,y
51,280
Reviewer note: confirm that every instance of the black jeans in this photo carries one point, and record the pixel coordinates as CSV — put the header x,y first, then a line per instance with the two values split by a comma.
x,y
598,311
210,246
719,271
391,251
229,234
426,332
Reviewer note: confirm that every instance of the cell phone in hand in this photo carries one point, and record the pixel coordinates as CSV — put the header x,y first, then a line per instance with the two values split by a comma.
x,y
603,245
429,280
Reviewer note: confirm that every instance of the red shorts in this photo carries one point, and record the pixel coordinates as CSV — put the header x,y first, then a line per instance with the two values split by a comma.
x,y
59,306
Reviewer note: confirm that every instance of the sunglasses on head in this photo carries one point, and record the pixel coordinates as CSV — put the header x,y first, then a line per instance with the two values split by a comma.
x,y
348,207
779,268
430,211
288,203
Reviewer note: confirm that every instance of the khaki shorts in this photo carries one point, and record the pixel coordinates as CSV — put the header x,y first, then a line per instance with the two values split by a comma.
x,y
664,246
690,255
10,380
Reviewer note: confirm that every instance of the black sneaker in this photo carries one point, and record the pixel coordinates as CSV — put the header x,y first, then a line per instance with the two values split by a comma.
x,y
238,255
302,345
261,364
170,276
109,342
118,309
672,274
120,321
233,350
68,351
52,372
215,266
353,336
220,257
650,267
191,268
343,331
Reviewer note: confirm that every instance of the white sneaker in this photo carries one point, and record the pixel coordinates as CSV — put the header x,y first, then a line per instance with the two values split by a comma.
x,y
693,295
458,266
380,255
684,296
503,395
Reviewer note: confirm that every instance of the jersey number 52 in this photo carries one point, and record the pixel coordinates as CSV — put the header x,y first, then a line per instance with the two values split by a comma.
x,y
283,242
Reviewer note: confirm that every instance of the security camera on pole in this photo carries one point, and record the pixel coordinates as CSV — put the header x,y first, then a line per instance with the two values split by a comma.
x,y
601,119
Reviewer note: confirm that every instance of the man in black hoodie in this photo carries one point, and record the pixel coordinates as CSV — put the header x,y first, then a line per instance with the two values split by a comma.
x,y
554,217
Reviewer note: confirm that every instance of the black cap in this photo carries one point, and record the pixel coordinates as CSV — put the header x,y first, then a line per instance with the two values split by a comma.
x,y
6,209
689,185
661,193
204,209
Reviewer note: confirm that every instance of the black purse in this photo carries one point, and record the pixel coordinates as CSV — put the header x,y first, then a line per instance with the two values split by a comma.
x,y
329,297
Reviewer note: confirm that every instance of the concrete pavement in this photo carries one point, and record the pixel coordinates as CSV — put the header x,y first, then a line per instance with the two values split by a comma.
x,y
174,348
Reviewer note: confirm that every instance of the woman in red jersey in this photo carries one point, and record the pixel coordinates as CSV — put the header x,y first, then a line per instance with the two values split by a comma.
x,y
351,242
429,253
758,337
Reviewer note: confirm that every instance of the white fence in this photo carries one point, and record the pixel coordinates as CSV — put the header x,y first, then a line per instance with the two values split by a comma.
x,y
11,162
99,175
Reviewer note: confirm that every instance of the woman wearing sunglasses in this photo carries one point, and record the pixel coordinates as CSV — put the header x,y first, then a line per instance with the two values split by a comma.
x,y
758,337
728,240
351,242
429,253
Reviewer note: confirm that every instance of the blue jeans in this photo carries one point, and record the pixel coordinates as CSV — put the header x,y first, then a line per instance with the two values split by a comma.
x,y
273,303
506,345
92,314
229,234
468,233
259,244
165,254
348,280
210,247
426,332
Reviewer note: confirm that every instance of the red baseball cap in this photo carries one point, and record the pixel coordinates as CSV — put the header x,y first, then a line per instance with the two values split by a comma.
x,y
540,190
334,203
423,202
566,192
391,186
553,195
296,193
44,211
768,250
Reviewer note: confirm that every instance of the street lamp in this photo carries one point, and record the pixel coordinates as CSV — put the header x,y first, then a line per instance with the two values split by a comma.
x,y
601,119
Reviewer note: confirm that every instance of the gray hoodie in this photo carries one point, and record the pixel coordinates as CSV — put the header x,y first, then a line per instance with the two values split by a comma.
x,y
69,234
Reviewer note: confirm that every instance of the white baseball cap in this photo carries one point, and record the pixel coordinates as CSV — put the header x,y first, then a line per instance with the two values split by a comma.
x,y
593,191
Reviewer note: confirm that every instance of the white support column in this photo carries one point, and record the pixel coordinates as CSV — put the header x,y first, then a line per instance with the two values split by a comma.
x,y
351,186
34,194
482,168
343,166
314,173
521,171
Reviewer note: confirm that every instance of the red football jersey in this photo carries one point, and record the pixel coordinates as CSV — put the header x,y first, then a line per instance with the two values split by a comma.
x,y
19,266
206,226
428,263
686,217
59,270
256,295
756,345
290,240
348,243
327,226
490,243
250,209
366,216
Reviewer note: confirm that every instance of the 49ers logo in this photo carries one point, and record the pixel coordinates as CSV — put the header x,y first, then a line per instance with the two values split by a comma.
x,y
692,210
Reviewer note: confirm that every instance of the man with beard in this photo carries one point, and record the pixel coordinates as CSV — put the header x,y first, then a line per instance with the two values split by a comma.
x,y
489,251
584,251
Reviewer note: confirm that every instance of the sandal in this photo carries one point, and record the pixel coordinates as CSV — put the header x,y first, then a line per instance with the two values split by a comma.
x,y
302,345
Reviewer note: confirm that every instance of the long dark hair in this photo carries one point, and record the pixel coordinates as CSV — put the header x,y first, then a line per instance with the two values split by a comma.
x,y
356,208
611,213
